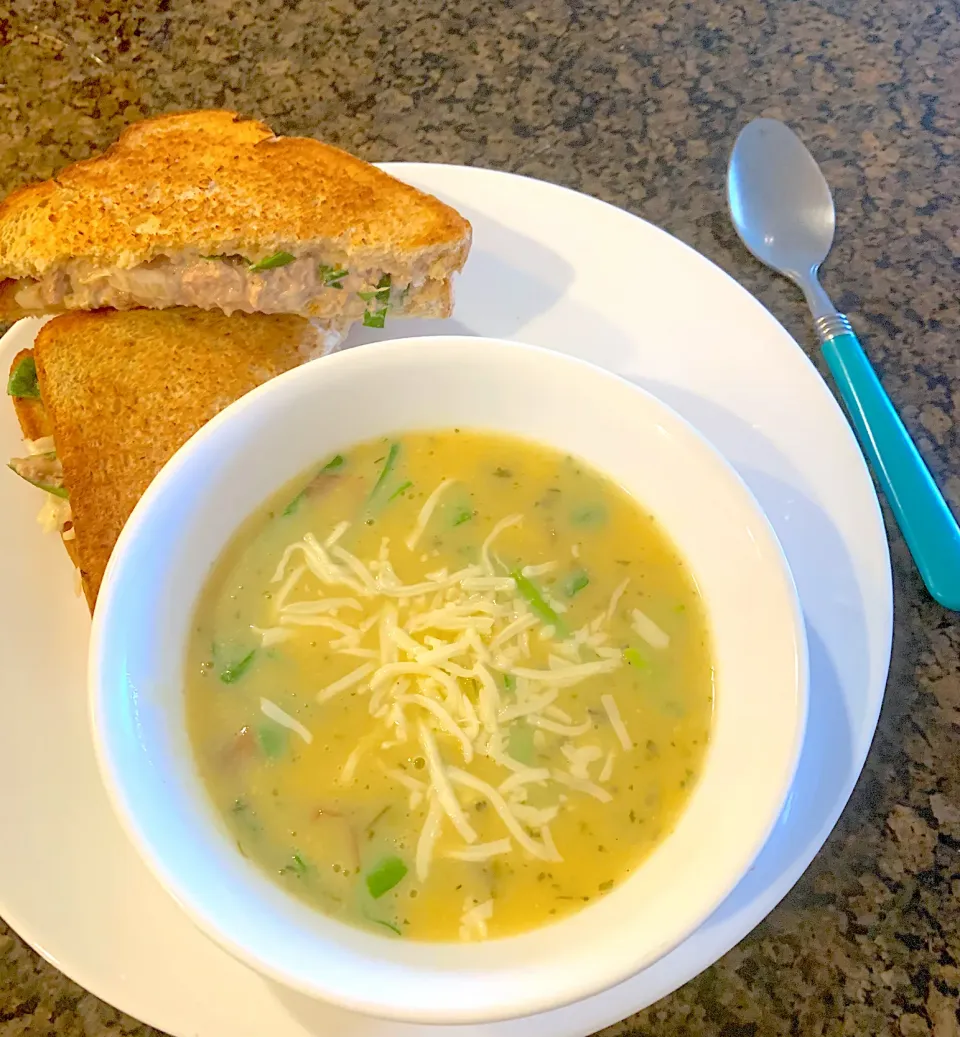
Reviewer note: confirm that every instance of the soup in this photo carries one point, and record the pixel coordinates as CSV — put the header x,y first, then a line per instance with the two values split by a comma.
x,y
451,686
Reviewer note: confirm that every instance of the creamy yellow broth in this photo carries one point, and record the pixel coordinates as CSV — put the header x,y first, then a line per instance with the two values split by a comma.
x,y
420,729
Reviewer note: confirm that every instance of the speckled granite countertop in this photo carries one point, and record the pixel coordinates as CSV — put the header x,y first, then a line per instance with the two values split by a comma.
x,y
638,103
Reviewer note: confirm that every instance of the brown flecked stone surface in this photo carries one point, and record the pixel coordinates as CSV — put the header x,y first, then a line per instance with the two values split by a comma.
x,y
637,102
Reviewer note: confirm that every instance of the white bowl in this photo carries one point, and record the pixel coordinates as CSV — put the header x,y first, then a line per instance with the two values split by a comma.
x,y
255,446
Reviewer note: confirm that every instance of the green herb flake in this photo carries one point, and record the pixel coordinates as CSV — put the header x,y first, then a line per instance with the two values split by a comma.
x,y
332,276
335,462
575,583
235,671
509,682
271,262
23,380
387,874
402,488
462,515
589,515
386,925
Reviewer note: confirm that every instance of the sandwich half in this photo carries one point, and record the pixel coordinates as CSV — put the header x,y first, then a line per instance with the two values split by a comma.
x,y
210,210
105,399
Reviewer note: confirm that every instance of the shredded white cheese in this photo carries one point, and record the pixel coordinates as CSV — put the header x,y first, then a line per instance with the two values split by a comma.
x,y
505,523
609,703
615,599
499,804
425,512
473,921
481,851
349,681
276,714
582,786
649,631
453,661
272,635
428,838
442,788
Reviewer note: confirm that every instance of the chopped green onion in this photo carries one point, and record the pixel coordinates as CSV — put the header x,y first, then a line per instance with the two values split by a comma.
x,y
388,465
634,658
538,605
385,876
332,276
400,489
520,743
462,515
509,682
388,925
297,865
589,515
332,465
272,739
381,293
295,503
23,380
237,670
375,318
576,582
272,262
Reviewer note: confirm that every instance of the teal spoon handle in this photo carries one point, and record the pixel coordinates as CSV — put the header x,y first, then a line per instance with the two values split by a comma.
x,y
924,517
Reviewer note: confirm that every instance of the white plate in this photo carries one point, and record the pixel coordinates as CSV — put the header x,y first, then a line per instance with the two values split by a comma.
x,y
553,268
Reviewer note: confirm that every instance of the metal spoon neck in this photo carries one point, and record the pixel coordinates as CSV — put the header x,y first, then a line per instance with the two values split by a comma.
x,y
817,299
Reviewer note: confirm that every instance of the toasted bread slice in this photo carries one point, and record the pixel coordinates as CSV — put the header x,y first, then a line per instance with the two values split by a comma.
x,y
122,391
208,209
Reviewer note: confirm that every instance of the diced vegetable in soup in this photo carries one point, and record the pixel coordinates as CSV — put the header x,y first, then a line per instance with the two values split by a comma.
x,y
450,686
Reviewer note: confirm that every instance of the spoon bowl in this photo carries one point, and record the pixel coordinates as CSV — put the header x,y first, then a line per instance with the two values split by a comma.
x,y
780,203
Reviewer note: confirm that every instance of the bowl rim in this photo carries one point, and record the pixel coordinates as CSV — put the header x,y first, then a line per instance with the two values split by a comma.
x,y
103,619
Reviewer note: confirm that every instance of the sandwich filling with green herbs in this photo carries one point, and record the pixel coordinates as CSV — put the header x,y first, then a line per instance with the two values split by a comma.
x,y
41,467
278,282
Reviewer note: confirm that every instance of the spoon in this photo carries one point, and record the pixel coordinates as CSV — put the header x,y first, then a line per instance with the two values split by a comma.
x,y
782,209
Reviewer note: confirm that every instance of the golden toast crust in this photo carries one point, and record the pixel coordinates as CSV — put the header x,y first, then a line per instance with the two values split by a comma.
x,y
124,390
216,183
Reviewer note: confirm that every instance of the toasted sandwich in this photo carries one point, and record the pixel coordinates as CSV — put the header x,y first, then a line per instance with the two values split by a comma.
x,y
104,400
209,210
